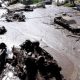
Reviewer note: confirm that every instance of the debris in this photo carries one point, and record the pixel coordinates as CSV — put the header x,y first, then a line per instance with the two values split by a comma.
x,y
2,30
64,23
15,16
40,60
29,62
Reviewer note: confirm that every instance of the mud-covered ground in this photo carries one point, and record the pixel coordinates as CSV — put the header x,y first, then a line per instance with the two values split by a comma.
x,y
40,26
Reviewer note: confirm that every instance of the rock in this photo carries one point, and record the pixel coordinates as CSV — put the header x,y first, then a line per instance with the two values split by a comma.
x,y
2,30
15,16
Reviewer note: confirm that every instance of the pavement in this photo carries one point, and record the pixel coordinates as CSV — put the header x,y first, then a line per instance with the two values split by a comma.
x,y
40,26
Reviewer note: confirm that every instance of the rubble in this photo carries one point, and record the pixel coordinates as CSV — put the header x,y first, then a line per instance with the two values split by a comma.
x,y
9,73
15,16
42,60
28,63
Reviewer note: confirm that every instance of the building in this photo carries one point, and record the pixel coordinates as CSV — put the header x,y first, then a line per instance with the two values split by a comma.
x,y
60,1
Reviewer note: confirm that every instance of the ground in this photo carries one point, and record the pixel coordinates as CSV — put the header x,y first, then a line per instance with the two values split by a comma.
x,y
40,26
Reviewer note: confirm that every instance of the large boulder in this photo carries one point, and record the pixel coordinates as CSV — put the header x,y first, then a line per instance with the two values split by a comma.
x,y
2,30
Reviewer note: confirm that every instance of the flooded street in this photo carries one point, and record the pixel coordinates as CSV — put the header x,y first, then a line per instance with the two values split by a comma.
x,y
40,26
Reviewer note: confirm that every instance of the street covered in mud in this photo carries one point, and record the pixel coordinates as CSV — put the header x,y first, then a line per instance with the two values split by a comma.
x,y
39,42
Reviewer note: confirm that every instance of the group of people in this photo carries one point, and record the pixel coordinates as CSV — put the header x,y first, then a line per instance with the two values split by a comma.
x,y
31,62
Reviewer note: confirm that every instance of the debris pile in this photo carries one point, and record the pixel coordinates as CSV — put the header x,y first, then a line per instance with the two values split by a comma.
x,y
15,16
30,62
2,30
41,5
62,22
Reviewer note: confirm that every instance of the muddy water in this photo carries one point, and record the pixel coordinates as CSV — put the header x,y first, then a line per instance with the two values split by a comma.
x,y
37,27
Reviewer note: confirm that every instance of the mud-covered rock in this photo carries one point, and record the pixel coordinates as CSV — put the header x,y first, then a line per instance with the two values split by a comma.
x,y
2,30
62,22
12,17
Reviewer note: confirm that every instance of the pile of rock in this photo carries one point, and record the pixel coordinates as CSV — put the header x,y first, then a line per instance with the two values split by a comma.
x,y
30,62
15,16
40,62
